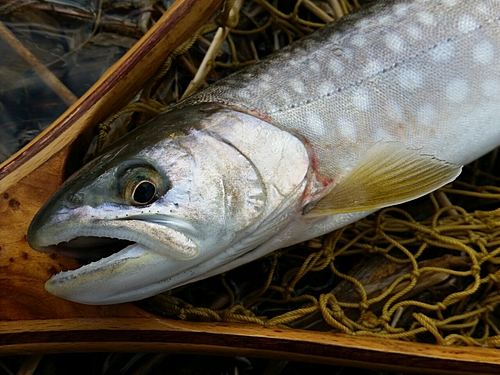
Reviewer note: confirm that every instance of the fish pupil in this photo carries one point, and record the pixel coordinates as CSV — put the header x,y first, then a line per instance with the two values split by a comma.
x,y
144,192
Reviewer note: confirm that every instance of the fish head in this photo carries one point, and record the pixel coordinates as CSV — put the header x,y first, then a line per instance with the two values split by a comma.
x,y
171,201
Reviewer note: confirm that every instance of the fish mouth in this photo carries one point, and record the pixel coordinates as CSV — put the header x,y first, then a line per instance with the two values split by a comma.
x,y
101,247
128,256
94,242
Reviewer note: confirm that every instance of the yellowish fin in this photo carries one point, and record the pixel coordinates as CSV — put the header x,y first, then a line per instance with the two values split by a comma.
x,y
388,174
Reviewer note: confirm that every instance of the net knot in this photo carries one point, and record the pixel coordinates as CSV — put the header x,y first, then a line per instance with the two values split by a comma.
x,y
415,273
441,306
385,318
363,305
475,269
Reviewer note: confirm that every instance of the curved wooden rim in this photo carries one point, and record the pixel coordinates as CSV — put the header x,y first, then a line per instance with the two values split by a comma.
x,y
163,335
181,19
21,333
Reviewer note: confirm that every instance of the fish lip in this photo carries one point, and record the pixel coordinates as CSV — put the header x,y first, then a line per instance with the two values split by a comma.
x,y
178,238
63,284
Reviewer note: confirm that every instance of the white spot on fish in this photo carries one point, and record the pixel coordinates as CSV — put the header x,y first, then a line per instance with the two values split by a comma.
x,y
315,122
336,66
364,24
395,112
381,134
284,98
457,90
264,86
484,52
410,79
373,67
245,93
346,128
314,66
358,40
491,87
467,23
296,85
426,114
443,52
324,88
450,3
414,31
265,78
426,18
483,9
362,99
400,9
394,42
347,54
385,20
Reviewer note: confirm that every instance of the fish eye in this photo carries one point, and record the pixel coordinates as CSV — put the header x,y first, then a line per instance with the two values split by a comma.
x,y
144,192
140,185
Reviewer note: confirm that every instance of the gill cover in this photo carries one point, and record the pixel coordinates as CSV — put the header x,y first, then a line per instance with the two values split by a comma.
x,y
178,198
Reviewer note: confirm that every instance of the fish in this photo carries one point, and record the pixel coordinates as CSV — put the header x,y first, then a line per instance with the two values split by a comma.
x,y
376,109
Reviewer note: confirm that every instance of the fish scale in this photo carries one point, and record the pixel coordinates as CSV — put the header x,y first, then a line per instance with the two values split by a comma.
x,y
425,65
375,110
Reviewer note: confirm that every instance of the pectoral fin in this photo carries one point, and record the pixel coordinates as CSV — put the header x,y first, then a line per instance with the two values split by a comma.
x,y
388,174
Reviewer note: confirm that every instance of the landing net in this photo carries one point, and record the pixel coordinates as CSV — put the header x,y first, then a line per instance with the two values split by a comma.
x,y
425,271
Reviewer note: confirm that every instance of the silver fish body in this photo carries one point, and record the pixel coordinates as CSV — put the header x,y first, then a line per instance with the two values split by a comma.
x,y
376,109
423,72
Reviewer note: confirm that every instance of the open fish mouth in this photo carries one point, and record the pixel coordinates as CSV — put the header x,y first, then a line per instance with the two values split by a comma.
x,y
87,248
98,240
121,259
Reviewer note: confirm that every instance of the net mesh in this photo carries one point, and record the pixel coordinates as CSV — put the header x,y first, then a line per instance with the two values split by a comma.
x,y
425,271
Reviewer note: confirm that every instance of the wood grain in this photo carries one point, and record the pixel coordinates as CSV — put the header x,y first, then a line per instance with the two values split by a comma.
x,y
24,271
162,335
